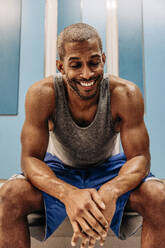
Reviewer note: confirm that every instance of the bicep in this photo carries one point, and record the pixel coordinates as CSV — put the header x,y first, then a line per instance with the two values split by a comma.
x,y
35,132
34,140
134,135
134,139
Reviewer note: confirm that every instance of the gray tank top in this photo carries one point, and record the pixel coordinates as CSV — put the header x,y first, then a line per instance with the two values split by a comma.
x,y
77,146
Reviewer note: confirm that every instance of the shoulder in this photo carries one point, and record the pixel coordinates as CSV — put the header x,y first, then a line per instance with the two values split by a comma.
x,y
124,90
126,98
42,89
41,96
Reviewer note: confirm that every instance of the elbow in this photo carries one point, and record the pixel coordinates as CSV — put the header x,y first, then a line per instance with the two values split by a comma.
x,y
143,165
147,163
27,166
23,166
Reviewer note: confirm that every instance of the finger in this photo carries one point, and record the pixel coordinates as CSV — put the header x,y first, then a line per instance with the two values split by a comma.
x,y
91,243
98,215
97,198
74,239
84,242
87,228
92,221
102,241
85,239
76,234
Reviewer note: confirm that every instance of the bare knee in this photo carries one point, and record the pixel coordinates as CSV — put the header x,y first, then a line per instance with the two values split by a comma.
x,y
149,199
16,198
153,194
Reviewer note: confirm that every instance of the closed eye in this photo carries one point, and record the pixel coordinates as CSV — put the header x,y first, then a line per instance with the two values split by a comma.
x,y
94,63
75,65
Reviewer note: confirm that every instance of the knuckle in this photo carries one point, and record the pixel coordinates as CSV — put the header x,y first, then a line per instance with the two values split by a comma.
x,y
76,234
92,243
87,205
83,236
96,225
87,230
102,221
79,212
103,233
100,218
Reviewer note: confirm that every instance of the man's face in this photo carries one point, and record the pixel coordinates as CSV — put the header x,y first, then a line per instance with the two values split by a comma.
x,y
83,68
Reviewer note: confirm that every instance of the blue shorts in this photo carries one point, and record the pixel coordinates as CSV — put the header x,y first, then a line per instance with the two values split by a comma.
x,y
93,177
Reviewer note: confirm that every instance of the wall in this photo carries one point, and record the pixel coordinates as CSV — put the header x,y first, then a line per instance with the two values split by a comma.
x,y
154,54
130,30
84,14
10,26
31,70
65,13
32,67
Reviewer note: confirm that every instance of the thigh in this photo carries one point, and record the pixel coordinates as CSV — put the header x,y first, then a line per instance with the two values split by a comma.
x,y
20,193
148,194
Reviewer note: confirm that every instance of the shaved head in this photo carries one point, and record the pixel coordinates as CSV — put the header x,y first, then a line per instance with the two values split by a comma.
x,y
76,33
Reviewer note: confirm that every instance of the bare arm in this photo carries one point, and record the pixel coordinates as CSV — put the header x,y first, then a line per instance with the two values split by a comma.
x,y
128,106
34,138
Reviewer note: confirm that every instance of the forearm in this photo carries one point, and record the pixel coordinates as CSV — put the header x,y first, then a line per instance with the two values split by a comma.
x,y
43,178
130,176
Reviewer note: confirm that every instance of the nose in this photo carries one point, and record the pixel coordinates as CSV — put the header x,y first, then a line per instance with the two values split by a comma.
x,y
86,73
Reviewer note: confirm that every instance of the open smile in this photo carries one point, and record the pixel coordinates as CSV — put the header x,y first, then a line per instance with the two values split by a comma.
x,y
86,89
87,83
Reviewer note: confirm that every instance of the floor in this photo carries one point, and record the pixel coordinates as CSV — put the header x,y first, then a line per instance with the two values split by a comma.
x,y
62,238
64,242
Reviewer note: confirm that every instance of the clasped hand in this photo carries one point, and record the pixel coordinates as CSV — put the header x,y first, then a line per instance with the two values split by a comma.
x,y
86,211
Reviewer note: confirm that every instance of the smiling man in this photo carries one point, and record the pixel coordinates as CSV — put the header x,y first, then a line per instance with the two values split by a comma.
x,y
72,169
86,87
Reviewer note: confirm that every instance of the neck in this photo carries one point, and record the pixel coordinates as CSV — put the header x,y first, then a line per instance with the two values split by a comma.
x,y
74,100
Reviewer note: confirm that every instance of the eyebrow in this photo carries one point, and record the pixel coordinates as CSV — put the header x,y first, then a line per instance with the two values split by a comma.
x,y
77,58
74,58
95,56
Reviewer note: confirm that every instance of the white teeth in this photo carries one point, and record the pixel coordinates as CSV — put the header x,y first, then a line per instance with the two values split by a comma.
x,y
87,84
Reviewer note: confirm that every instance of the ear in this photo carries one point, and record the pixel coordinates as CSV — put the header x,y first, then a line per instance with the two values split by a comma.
x,y
103,57
60,66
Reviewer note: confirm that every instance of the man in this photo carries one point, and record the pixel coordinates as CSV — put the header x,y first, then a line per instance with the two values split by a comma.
x,y
80,176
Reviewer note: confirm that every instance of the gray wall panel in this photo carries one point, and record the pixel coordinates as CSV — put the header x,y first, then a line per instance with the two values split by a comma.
x,y
9,55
